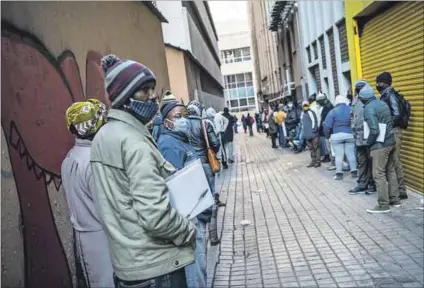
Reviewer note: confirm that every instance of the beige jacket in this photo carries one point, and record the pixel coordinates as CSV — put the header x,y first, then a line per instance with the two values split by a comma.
x,y
147,238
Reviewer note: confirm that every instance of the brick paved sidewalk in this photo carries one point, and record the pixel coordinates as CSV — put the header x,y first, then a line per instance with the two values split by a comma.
x,y
306,230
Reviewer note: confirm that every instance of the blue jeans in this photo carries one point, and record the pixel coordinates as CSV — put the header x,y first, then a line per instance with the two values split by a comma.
x,y
281,138
196,272
341,148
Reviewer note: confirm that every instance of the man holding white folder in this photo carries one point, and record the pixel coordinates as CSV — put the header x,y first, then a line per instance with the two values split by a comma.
x,y
382,145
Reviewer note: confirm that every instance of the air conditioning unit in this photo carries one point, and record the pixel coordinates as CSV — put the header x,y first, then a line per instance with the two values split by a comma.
x,y
288,88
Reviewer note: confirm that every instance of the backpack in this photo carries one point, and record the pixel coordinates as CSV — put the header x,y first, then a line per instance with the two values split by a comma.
x,y
405,110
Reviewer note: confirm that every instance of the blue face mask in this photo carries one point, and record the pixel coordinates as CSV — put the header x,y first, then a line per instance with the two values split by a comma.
x,y
144,111
182,125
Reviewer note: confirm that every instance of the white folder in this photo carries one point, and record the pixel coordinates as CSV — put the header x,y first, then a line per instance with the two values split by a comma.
x,y
381,126
189,191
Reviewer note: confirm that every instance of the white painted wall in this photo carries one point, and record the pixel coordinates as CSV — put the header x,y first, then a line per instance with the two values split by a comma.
x,y
316,18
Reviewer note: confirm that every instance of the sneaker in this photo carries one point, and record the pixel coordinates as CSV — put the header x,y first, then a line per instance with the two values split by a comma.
x,y
396,204
331,168
224,165
338,177
231,161
312,164
318,164
326,159
354,174
357,190
403,196
379,209
371,190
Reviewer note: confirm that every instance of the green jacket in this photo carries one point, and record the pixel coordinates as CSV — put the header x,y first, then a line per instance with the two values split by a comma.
x,y
147,238
377,112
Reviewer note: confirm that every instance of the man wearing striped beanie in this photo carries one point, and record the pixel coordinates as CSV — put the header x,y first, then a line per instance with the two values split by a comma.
x,y
150,242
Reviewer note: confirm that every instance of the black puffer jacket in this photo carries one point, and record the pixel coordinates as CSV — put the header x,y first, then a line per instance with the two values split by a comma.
x,y
197,138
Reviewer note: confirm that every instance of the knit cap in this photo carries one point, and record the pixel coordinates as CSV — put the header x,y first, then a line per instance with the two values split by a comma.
x,y
123,78
169,97
385,77
340,99
359,85
366,92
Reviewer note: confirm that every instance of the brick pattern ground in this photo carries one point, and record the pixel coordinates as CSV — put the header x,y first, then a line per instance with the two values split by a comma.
x,y
306,230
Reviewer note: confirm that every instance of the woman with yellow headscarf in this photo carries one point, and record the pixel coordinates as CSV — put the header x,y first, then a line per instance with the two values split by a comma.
x,y
84,119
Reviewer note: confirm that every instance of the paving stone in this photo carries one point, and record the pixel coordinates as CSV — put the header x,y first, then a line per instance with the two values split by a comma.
x,y
306,223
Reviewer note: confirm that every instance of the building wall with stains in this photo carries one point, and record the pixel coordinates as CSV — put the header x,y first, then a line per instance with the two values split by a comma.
x,y
50,58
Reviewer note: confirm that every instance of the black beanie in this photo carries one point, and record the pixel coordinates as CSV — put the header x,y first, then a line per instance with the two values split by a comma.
x,y
385,77
165,109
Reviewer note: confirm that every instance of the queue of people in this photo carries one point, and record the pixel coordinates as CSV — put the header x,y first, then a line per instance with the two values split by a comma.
x,y
360,134
127,234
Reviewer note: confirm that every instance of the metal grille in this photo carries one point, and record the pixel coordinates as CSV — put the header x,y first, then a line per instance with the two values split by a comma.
x,y
317,77
323,55
308,51
314,46
343,42
401,30
333,61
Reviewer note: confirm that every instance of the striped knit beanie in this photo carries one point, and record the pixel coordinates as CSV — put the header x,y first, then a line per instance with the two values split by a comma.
x,y
123,78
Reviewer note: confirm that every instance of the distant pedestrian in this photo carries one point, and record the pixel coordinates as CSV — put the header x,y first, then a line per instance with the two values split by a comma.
x,y
228,136
83,120
235,124
311,134
337,127
281,127
249,123
377,115
400,115
272,126
243,123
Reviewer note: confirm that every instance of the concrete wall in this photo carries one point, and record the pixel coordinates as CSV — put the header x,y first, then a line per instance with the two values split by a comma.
x,y
50,59
177,74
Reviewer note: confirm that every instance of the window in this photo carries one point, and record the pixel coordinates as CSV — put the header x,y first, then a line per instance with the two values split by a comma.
x,y
343,42
236,55
323,56
308,51
239,89
314,46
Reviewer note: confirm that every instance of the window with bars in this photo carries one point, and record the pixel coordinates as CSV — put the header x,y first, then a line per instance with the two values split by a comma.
x,y
308,51
343,41
236,55
314,47
323,55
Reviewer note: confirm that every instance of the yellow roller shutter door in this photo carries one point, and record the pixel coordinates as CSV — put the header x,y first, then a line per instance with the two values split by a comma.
x,y
394,42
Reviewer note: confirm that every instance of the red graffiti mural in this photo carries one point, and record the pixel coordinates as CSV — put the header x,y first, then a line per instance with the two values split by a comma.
x,y
36,89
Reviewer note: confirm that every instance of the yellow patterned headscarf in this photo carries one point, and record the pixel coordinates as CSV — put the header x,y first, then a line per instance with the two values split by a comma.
x,y
86,117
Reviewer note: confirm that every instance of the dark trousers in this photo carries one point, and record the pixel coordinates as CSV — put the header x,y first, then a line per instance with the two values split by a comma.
x,y
274,139
176,279
314,147
250,130
364,166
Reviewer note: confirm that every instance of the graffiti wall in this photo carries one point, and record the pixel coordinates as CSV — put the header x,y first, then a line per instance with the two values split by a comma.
x,y
38,85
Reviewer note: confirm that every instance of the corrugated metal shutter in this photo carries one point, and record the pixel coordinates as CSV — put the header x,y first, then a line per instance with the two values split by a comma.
x,y
333,61
394,42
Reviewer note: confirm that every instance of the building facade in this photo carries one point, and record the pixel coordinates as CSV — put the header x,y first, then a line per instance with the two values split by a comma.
x,y
264,51
237,65
192,52
399,25
50,54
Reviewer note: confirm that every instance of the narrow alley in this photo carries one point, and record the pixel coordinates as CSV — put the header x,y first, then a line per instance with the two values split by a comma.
x,y
286,225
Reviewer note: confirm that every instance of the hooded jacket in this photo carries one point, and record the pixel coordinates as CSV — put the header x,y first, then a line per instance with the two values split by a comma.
x,y
310,124
229,132
357,123
377,112
338,120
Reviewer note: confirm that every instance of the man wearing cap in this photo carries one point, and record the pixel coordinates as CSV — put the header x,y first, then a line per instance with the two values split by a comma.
x,y
365,180
175,147
378,118
150,242
389,96
310,127
83,120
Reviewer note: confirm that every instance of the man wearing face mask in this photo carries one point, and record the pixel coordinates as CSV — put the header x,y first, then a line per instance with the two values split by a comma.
x,y
324,106
292,119
150,243
176,149
377,113
390,97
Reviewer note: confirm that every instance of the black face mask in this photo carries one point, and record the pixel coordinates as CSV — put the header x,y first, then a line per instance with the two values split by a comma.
x,y
380,88
364,101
